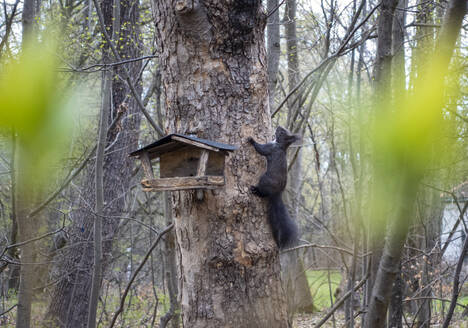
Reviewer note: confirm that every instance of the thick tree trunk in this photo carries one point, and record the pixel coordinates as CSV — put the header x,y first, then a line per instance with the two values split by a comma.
x,y
216,85
69,303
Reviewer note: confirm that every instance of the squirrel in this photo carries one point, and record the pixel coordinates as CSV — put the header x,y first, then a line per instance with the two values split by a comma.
x,y
272,184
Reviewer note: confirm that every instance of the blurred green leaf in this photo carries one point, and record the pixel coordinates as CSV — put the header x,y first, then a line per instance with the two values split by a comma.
x,y
33,102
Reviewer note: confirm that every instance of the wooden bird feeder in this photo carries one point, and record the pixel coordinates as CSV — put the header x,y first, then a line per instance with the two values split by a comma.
x,y
185,162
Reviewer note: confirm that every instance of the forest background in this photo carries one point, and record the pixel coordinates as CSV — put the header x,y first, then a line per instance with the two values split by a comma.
x,y
378,91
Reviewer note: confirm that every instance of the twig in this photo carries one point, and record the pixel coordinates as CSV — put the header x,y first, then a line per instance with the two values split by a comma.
x,y
275,9
433,298
311,245
104,65
11,308
30,240
147,255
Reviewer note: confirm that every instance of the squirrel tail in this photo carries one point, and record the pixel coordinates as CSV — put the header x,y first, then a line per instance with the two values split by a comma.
x,y
284,229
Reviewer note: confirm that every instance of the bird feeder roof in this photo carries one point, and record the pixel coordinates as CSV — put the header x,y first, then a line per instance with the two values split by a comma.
x,y
174,141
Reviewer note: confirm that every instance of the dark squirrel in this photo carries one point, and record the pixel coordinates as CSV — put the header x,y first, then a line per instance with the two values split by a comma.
x,y
272,184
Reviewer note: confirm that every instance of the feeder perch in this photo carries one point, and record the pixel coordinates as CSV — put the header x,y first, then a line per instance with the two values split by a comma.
x,y
185,162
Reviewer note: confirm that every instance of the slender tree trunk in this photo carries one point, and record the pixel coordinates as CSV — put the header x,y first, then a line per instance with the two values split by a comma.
x,y
382,86
456,284
293,274
27,20
291,54
274,49
383,59
395,316
13,279
214,76
69,303
24,198
101,145
170,272
395,309
26,231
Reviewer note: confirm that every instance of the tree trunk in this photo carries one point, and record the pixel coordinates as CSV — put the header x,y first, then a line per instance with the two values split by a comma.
x,y
27,20
395,315
293,274
99,197
382,85
27,229
395,309
69,303
170,272
274,49
216,86
25,190
291,54
13,252
383,60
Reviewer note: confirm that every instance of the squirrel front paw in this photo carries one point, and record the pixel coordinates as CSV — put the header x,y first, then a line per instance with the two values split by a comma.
x,y
254,190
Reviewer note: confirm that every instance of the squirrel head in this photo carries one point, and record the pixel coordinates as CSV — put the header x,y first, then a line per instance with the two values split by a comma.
x,y
284,137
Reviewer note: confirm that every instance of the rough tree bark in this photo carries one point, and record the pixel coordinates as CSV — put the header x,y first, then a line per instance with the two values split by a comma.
x,y
69,302
214,76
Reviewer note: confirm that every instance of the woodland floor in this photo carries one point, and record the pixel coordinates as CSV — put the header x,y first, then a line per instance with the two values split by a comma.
x,y
310,320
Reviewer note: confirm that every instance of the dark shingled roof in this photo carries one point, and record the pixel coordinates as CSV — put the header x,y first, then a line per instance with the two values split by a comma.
x,y
168,139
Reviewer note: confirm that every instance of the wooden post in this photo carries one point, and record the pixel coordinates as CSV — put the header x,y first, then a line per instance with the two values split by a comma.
x,y
146,163
202,163
201,170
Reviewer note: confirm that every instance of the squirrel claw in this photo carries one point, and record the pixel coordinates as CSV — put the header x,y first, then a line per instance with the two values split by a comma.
x,y
254,190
